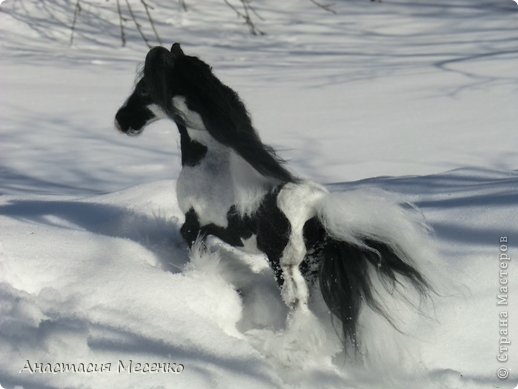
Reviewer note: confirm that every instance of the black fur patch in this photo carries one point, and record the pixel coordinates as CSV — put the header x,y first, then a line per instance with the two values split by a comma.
x,y
273,232
345,282
314,239
237,228
191,227
244,226
269,223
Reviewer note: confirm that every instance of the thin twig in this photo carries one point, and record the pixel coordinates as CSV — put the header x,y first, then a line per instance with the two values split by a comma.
x,y
246,16
137,24
325,7
77,10
147,6
121,22
256,13
253,28
183,4
233,7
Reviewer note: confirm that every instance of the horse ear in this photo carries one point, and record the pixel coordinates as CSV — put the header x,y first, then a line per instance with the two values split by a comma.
x,y
176,50
156,69
157,56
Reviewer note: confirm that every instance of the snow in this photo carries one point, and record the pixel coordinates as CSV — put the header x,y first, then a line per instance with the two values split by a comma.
x,y
418,98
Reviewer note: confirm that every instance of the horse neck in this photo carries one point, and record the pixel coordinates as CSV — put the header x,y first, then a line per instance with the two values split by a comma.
x,y
228,170
198,147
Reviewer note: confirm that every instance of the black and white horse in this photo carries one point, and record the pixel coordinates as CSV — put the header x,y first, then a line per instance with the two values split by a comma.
x,y
234,187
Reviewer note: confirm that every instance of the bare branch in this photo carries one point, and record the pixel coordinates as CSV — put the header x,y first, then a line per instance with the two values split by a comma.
x,y
121,22
325,7
244,9
77,10
147,6
137,24
183,4
234,8
248,20
245,15
254,11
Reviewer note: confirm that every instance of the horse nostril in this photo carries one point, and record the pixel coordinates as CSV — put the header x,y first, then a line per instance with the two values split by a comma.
x,y
117,125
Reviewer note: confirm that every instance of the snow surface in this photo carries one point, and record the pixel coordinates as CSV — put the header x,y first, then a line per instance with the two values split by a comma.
x,y
415,97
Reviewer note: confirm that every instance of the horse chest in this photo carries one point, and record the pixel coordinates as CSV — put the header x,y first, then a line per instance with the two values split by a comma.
x,y
207,188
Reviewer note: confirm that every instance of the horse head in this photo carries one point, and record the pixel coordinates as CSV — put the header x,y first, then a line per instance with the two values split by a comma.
x,y
150,99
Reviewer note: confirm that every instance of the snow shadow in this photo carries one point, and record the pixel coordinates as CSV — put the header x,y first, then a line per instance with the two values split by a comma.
x,y
14,181
199,360
158,234
25,333
71,156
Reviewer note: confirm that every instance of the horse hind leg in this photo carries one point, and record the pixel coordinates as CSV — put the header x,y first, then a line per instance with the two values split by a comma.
x,y
304,338
294,291
281,237
296,201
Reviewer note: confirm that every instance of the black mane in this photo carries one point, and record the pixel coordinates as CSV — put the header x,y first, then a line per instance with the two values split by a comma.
x,y
224,114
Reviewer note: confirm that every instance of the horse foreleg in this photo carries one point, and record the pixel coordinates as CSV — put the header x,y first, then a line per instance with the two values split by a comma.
x,y
190,229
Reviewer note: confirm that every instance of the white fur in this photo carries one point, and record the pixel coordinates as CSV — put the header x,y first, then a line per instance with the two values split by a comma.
x,y
207,187
297,202
357,214
157,111
191,118
250,187
250,245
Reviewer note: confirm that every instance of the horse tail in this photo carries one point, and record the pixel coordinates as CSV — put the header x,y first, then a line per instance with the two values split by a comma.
x,y
373,247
